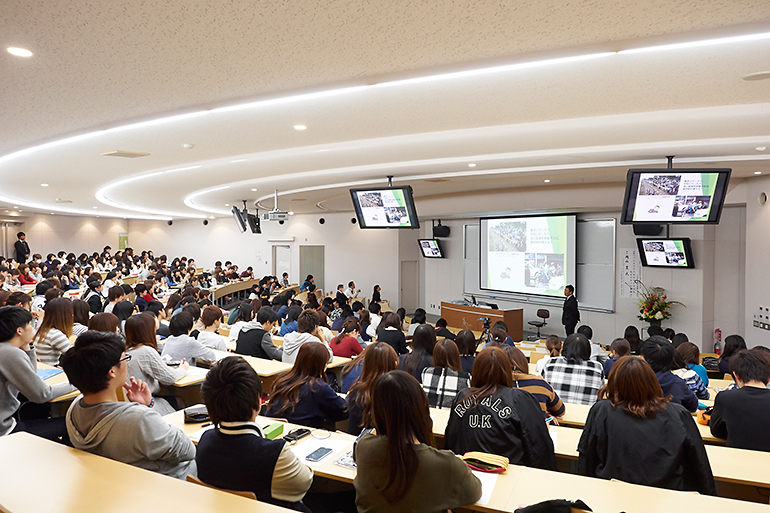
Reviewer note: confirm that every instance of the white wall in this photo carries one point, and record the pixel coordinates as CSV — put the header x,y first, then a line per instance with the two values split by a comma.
x,y
54,233
757,257
367,257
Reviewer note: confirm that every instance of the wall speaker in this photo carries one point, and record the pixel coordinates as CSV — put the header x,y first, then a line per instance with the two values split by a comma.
x,y
205,222
353,220
649,230
321,221
170,222
440,231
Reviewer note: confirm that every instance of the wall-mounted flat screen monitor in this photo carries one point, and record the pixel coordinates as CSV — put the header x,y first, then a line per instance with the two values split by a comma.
x,y
431,248
385,207
528,254
662,196
672,253
240,219
254,223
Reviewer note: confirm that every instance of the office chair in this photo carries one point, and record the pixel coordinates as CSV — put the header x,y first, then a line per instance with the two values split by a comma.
x,y
544,314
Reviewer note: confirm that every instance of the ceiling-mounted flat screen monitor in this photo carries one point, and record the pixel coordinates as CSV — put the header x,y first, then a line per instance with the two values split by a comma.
x,y
672,253
431,248
240,219
254,223
385,207
681,196
528,254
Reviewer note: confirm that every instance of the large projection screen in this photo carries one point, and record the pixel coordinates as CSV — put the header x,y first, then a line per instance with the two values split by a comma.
x,y
528,254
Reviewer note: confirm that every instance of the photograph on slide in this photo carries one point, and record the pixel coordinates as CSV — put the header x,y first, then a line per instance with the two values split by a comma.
x,y
666,185
544,271
691,207
508,236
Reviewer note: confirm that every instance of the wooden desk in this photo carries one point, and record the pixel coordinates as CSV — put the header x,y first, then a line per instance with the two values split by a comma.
x,y
220,291
51,478
467,317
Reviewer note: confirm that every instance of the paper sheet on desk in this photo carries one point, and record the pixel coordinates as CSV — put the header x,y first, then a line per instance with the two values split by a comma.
x,y
488,482
197,371
554,437
310,444
196,437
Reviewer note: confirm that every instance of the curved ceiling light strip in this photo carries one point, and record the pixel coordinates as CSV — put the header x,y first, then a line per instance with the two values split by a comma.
x,y
349,89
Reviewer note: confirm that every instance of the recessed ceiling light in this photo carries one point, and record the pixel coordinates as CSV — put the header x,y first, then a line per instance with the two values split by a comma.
x,y
254,190
19,52
757,172
20,210
227,204
300,127
547,181
759,75
43,185
15,206
51,213
761,148
188,146
212,217
291,213
238,160
471,165
96,207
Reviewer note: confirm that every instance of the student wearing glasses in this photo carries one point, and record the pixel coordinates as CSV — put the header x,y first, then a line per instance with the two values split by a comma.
x,y
127,431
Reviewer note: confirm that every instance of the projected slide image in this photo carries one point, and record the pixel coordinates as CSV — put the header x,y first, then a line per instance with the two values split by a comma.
x,y
653,247
384,208
394,215
545,271
665,253
370,199
508,236
659,185
675,258
430,248
691,206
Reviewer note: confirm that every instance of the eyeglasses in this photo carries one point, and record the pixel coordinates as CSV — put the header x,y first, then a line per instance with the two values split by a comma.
x,y
126,358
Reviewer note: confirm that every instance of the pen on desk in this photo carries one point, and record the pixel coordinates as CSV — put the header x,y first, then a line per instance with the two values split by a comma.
x,y
207,424
549,419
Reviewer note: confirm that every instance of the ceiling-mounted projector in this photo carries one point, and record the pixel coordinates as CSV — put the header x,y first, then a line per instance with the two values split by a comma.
x,y
275,215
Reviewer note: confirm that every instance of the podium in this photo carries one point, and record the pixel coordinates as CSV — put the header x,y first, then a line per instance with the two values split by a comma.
x,y
467,317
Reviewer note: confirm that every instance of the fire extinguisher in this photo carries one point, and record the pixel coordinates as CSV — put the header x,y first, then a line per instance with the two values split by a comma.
x,y
718,341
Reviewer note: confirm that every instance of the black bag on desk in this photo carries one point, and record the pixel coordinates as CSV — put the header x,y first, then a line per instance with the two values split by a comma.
x,y
195,414
554,506
711,363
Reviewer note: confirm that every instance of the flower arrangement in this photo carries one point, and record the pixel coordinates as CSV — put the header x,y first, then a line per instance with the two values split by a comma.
x,y
654,305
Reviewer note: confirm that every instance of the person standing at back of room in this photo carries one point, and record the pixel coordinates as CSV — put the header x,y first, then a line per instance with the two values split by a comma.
x,y
21,248
570,314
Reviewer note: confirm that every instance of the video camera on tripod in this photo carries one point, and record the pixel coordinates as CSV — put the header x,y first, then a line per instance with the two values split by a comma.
x,y
486,336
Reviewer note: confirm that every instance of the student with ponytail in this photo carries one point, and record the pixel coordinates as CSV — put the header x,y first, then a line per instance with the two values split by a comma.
x,y
345,344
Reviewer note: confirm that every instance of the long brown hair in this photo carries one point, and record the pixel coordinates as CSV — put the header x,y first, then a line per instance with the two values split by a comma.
x,y
59,315
105,321
423,342
517,358
378,359
466,343
491,371
401,413
446,355
349,326
689,352
364,319
632,385
140,330
308,368
553,345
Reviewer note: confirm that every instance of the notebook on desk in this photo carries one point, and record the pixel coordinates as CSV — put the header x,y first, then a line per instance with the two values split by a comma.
x,y
48,373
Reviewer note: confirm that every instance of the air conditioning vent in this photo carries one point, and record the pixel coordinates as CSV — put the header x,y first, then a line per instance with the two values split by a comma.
x,y
125,154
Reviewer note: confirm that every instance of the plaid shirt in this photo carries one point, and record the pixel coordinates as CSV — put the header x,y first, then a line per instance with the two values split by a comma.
x,y
443,384
576,383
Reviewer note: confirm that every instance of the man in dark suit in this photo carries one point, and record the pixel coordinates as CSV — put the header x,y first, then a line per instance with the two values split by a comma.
x,y
21,248
570,314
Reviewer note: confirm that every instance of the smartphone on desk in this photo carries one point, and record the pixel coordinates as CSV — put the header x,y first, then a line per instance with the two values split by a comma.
x,y
318,454
296,434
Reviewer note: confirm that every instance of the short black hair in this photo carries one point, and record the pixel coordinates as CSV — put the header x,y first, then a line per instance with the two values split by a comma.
x,y
587,331
11,319
659,353
153,307
194,310
441,323
20,234
43,287
293,313
93,355
751,365
576,348
127,289
180,324
655,331
115,292
266,314
307,321
140,289
570,288
231,391
357,306
374,308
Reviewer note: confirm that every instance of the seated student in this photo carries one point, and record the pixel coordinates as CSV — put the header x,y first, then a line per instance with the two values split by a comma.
x,y
80,311
52,338
140,291
307,331
476,423
245,314
421,355
597,353
105,322
399,469
155,308
689,376
180,346
302,395
733,344
742,415
402,314
619,348
109,282
573,376
691,356
255,338
631,334
345,344
284,281
553,345
235,455
211,319
146,364
305,284
24,277
636,435
419,317
549,400
126,431
123,310
378,359
678,339
374,316
445,379
290,324
94,296
18,373
442,331
659,353
389,331
466,344
347,313
115,295
364,321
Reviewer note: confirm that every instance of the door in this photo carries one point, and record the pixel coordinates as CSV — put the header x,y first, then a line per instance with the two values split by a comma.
x,y
311,261
282,263
409,285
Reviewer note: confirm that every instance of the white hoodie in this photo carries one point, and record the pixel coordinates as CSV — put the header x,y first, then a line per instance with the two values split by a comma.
x,y
294,340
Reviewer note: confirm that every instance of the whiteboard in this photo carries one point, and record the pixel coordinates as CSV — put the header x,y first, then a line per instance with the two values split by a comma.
x,y
595,269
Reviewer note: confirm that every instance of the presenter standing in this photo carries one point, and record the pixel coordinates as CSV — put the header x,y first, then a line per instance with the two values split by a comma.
x,y
570,315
